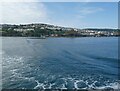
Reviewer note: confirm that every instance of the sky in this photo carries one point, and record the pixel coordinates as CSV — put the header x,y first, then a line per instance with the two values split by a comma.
x,y
68,14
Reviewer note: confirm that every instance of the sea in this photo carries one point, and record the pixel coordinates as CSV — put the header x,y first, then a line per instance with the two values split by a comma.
x,y
60,63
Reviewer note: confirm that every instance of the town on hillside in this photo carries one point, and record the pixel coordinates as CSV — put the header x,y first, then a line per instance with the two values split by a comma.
x,y
38,30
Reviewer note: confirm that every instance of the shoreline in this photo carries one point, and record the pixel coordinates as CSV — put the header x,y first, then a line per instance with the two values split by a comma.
x,y
59,37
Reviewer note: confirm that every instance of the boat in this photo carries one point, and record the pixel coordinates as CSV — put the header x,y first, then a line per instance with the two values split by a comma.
x,y
41,37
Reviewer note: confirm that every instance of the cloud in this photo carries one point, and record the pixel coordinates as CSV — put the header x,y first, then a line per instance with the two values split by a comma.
x,y
23,12
84,11
90,10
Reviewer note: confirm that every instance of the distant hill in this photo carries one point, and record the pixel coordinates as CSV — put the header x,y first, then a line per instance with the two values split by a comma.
x,y
40,29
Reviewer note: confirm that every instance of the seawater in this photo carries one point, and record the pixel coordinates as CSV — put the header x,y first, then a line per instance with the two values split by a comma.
x,y
60,63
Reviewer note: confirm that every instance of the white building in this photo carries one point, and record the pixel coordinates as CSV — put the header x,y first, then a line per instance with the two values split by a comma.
x,y
22,30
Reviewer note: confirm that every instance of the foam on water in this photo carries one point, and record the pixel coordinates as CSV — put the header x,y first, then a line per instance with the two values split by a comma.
x,y
17,63
114,85
75,84
78,83
38,85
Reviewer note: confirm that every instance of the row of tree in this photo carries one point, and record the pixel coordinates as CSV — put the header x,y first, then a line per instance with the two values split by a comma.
x,y
32,33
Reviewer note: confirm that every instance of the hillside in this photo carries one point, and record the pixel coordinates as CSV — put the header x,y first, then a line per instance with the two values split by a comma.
x,y
39,29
